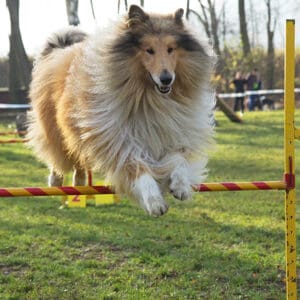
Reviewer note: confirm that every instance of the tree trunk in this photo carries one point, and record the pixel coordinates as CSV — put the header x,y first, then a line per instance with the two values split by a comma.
x,y
209,21
254,25
14,80
203,20
19,64
119,5
243,28
72,12
187,11
227,110
270,70
126,5
93,10
224,28
214,26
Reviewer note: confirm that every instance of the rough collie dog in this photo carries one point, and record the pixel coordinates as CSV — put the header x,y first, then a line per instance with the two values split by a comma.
x,y
134,103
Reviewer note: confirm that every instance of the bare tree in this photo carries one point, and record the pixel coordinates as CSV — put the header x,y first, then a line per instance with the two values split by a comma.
x,y
126,4
254,24
210,20
214,25
224,27
19,64
271,24
187,9
72,11
93,10
203,19
243,28
119,4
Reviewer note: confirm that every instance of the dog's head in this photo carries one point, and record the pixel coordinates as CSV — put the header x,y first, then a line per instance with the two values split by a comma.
x,y
157,46
157,42
159,50
159,56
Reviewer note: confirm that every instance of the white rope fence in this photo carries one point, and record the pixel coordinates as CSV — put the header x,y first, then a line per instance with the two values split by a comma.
x,y
13,106
259,92
221,95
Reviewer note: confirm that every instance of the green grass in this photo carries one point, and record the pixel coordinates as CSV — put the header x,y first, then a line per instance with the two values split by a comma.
x,y
224,245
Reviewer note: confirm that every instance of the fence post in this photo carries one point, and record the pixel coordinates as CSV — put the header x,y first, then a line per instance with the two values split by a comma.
x,y
289,164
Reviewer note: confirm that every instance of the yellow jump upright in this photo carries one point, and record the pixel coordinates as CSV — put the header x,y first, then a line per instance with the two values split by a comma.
x,y
290,133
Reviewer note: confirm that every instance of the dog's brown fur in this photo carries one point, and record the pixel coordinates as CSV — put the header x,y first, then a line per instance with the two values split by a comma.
x,y
98,102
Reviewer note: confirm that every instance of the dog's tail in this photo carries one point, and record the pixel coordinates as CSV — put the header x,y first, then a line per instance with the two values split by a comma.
x,y
63,39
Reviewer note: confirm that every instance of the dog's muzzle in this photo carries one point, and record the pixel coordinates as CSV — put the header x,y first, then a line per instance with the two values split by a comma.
x,y
163,83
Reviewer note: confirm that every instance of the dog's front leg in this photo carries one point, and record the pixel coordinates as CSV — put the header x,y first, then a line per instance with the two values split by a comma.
x,y
148,193
180,182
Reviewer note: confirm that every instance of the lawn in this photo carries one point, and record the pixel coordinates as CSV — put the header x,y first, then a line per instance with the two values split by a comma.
x,y
224,245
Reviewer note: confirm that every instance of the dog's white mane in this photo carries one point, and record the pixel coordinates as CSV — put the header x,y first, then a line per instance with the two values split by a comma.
x,y
127,121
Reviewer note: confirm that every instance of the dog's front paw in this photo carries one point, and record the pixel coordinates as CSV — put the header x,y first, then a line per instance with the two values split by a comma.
x,y
181,193
155,206
180,187
147,191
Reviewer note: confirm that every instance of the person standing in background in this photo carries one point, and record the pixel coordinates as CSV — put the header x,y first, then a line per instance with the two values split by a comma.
x,y
239,83
252,85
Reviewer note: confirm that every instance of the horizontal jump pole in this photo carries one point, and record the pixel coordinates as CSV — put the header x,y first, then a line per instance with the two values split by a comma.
x,y
55,191
240,186
13,141
13,132
93,190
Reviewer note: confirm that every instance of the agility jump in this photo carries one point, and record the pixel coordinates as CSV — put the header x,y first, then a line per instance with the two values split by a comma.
x,y
287,183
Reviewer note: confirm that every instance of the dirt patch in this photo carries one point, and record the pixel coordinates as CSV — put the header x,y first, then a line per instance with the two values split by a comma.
x,y
16,270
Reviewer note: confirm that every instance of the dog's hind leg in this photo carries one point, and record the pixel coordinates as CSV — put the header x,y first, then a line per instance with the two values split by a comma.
x,y
55,179
79,176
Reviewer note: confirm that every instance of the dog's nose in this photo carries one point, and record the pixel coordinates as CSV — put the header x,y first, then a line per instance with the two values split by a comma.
x,y
165,77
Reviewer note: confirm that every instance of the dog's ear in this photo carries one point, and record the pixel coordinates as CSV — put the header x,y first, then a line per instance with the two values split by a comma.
x,y
178,16
136,15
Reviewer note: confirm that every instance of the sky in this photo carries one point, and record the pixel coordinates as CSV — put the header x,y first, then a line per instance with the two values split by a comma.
x,y
39,18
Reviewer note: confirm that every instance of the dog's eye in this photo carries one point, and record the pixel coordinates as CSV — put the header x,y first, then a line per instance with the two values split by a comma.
x,y
150,51
170,50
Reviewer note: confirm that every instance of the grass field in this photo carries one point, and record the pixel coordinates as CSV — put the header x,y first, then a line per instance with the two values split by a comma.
x,y
224,245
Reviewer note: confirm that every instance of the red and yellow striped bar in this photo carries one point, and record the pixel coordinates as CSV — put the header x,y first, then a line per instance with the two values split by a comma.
x,y
240,186
94,190
55,191
13,141
16,132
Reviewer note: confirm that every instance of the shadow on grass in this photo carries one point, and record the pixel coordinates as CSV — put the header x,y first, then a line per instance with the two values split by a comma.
x,y
251,136
127,226
174,247
18,156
